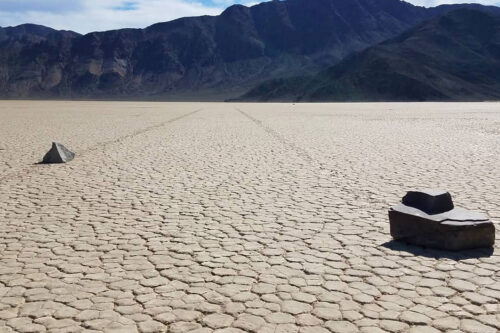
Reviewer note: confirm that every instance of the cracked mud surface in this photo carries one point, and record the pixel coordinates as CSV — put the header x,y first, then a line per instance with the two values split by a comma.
x,y
198,217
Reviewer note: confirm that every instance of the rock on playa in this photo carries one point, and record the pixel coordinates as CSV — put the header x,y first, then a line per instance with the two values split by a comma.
x,y
58,154
428,218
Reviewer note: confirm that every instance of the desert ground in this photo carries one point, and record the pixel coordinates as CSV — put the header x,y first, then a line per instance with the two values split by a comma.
x,y
199,217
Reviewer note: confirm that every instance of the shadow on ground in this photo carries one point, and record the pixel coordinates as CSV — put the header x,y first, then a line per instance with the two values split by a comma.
x,y
400,246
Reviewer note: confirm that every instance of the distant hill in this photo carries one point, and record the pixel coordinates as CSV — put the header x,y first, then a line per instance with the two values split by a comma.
x,y
453,57
200,58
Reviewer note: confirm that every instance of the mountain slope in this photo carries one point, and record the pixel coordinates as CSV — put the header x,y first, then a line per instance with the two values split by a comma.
x,y
199,57
453,57
31,57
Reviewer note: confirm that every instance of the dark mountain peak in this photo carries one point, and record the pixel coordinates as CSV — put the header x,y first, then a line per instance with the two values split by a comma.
x,y
33,33
34,29
466,20
455,56
460,24
471,6
234,10
188,22
28,28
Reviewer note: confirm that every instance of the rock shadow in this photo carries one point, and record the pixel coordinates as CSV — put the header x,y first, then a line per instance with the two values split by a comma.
x,y
401,246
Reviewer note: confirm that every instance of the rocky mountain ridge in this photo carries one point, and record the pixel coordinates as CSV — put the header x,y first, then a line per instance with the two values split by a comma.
x,y
455,56
199,58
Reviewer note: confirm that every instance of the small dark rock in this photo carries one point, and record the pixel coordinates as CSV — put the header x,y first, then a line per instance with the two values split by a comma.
x,y
58,154
451,229
429,201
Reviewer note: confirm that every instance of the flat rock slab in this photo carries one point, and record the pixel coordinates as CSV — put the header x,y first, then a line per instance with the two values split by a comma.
x,y
457,229
58,154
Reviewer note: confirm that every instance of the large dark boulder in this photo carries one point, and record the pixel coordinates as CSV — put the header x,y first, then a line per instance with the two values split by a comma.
x,y
428,218
58,154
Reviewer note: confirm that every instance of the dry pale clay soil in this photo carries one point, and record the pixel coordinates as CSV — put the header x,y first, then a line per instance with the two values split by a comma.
x,y
186,217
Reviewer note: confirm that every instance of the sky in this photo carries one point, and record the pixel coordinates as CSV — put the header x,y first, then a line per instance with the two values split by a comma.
x,y
96,15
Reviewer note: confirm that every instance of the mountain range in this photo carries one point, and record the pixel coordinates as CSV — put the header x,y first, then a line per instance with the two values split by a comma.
x,y
455,56
275,46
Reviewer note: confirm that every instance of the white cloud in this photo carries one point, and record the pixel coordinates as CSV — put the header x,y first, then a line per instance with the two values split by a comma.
x,y
95,15
37,5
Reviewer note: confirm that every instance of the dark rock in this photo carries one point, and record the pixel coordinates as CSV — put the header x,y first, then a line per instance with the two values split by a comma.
x,y
429,201
455,229
58,154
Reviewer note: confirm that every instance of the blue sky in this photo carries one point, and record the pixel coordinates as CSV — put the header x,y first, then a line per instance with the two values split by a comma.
x,y
93,15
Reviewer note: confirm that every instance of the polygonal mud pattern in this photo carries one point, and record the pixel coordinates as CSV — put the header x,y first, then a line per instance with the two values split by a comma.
x,y
253,218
